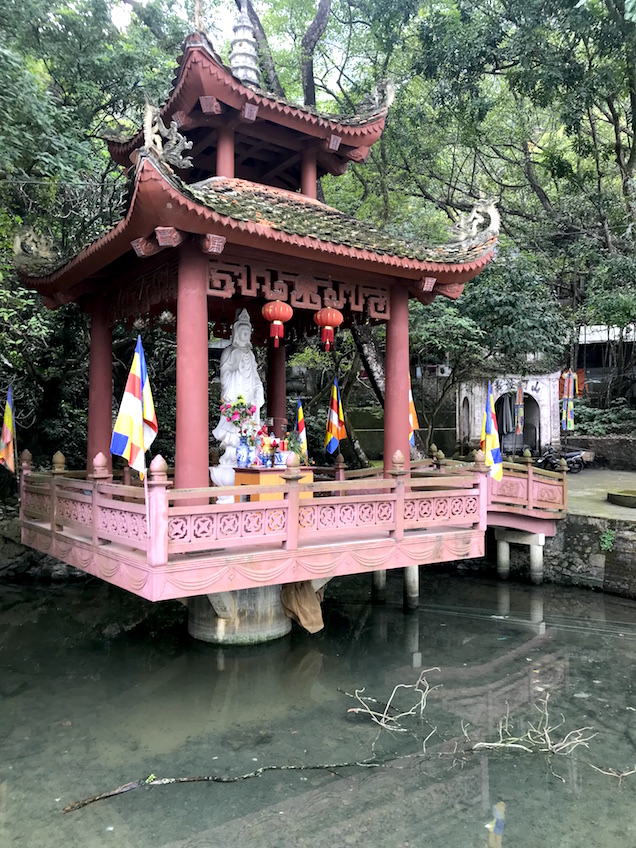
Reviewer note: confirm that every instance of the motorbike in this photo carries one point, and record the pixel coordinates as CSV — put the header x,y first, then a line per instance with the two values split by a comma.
x,y
551,460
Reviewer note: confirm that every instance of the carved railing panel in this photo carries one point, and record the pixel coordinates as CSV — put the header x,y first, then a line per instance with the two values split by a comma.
x,y
428,509
124,523
226,526
368,514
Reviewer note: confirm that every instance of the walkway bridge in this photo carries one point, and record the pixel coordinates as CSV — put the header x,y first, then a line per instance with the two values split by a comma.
x,y
212,540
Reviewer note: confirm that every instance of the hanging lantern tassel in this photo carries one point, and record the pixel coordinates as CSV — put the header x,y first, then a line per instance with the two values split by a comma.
x,y
277,312
328,320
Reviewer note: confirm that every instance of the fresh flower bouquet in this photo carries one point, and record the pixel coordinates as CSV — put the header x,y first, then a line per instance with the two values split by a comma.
x,y
240,414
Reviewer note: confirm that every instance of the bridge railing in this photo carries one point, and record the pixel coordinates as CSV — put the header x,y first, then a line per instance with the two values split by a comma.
x,y
528,490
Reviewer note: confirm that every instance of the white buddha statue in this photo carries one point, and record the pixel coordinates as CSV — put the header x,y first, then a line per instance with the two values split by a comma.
x,y
239,376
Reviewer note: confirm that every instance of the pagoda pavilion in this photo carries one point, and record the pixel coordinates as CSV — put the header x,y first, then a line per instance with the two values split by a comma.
x,y
223,216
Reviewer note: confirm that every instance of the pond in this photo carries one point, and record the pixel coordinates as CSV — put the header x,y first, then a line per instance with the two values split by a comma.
x,y
99,688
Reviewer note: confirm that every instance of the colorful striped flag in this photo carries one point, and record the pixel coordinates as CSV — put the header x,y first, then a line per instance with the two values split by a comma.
x,y
301,430
570,389
490,438
136,426
335,421
519,410
413,422
7,435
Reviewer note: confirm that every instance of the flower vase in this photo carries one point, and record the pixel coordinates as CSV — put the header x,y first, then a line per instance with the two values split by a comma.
x,y
251,455
242,453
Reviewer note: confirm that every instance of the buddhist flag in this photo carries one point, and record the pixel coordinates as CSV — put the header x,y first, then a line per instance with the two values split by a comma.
x,y
570,388
7,436
335,421
413,422
301,430
136,425
490,438
519,411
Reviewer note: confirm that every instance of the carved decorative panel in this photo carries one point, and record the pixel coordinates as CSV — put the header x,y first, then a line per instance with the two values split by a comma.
x,y
301,291
155,289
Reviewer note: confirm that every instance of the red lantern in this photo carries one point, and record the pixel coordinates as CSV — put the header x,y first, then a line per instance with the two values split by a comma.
x,y
277,313
328,319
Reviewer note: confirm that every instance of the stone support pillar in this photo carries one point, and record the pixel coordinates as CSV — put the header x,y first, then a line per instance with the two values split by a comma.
x,y
396,395
225,153
503,558
277,388
308,173
192,437
100,384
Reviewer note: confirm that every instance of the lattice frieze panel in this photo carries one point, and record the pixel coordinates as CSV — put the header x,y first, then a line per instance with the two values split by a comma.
x,y
152,290
72,510
435,510
301,291
118,522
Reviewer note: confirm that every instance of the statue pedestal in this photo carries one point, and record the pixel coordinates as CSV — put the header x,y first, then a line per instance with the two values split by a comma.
x,y
259,617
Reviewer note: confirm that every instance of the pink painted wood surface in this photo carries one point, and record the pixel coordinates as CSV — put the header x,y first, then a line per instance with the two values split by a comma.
x,y
197,545
396,395
100,383
192,431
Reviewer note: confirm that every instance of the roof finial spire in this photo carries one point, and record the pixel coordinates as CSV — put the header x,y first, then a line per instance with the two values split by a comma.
x,y
243,58
198,16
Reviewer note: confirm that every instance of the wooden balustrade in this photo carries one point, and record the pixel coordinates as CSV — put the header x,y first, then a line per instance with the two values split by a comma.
x,y
356,508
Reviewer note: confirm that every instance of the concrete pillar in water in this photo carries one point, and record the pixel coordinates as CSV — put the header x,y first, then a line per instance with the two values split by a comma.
x,y
503,599
412,639
503,558
255,615
411,587
536,606
536,563
378,592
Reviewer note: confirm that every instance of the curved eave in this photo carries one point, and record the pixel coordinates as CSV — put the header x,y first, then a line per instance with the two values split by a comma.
x,y
200,73
156,202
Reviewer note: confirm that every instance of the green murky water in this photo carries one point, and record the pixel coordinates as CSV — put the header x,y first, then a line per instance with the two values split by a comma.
x,y
98,689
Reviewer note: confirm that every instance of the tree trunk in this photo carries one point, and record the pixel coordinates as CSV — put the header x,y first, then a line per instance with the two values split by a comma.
x,y
314,33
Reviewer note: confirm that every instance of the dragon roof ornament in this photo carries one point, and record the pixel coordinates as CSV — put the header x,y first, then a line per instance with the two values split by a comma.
x,y
467,227
166,143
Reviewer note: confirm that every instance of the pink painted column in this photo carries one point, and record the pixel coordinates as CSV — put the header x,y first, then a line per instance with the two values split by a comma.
x,y
225,153
308,173
277,388
100,384
192,438
396,393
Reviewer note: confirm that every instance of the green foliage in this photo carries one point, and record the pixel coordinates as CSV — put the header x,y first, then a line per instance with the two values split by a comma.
x,y
590,420
606,540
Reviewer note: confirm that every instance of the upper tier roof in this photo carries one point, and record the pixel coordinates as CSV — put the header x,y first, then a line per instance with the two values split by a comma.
x,y
201,74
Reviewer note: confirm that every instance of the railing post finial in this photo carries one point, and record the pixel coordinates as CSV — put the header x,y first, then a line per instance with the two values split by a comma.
x,y
480,462
158,470
26,461
58,463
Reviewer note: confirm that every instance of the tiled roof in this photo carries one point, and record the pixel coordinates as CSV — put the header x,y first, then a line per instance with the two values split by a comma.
x,y
297,215
263,217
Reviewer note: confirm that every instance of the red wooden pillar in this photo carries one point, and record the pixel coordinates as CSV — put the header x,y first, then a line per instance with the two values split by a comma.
x,y
277,388
100,384
192,437
308,173
225,153
396,393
